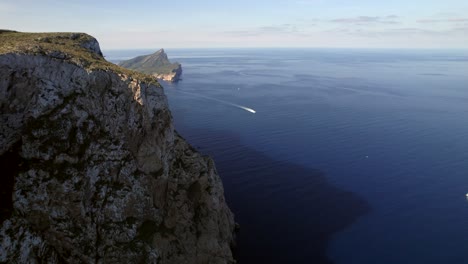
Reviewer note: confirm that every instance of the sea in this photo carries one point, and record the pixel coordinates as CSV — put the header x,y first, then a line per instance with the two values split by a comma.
x,y
337,156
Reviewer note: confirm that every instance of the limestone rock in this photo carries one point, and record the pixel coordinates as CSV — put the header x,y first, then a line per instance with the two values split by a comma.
x,y
156,64
98,172
172,76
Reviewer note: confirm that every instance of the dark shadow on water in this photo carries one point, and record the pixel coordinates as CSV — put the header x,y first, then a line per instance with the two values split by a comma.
x,y
287,213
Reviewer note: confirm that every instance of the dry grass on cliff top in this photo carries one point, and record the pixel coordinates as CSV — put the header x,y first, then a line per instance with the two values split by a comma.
x,y
64,46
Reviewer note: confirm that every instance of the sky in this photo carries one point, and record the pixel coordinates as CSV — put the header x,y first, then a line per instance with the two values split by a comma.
x,y
139,24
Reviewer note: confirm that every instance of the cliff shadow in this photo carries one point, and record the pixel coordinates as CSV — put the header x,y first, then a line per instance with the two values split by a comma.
x,y
10,163
287,213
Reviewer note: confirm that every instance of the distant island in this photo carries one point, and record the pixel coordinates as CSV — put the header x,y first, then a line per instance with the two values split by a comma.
x,y
156,64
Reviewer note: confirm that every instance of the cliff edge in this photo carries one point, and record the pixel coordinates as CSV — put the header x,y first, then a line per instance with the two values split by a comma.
x,y
92,168
156,64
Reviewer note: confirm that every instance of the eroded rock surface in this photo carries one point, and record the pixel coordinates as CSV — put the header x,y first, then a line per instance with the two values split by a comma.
x,y
99,174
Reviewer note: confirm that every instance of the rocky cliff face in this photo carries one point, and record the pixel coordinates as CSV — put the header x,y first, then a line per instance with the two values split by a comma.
x,y
92,166
172,76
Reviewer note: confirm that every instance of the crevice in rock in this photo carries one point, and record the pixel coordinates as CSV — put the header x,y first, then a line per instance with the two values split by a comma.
x,y
10,163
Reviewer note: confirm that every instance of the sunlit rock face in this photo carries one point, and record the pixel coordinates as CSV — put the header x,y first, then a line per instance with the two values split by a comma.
x,y
95,172
173,76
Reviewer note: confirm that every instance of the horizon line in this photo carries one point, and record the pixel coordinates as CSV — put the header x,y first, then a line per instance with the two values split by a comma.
x,y
259,47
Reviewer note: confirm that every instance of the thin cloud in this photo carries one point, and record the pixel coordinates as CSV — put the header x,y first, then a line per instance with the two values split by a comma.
x,y
450,20
309,21
367,20
284,29
360,19
416,31
398,32
410,30
461,29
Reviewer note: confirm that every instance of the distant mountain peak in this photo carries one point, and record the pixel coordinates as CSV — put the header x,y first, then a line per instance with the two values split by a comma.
x,y
156,64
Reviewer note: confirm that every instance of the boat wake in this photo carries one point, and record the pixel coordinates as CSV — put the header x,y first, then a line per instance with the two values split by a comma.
x,y
220,101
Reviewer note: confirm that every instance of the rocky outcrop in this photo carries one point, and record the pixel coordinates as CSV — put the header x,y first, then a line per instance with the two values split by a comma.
x,y
156,64
172,76
93,167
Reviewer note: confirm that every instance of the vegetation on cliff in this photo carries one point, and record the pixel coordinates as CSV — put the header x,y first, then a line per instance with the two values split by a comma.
x,y
72,47
156,64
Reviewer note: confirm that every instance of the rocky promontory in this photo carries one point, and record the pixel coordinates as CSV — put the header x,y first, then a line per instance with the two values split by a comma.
x,y
156,64
92,168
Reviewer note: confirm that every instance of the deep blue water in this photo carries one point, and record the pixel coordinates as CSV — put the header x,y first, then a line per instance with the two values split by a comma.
x,y
352,156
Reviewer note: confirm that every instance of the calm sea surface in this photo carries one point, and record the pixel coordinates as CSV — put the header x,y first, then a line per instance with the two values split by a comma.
x,y
352,156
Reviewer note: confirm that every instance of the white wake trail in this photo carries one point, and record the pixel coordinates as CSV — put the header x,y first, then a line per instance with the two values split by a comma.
x,y
247,109
221,101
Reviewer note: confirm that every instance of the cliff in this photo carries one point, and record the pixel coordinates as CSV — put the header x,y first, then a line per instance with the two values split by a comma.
x,y
92,168
156,64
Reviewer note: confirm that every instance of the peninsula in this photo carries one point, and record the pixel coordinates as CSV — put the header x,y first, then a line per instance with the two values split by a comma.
x,y
156,64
